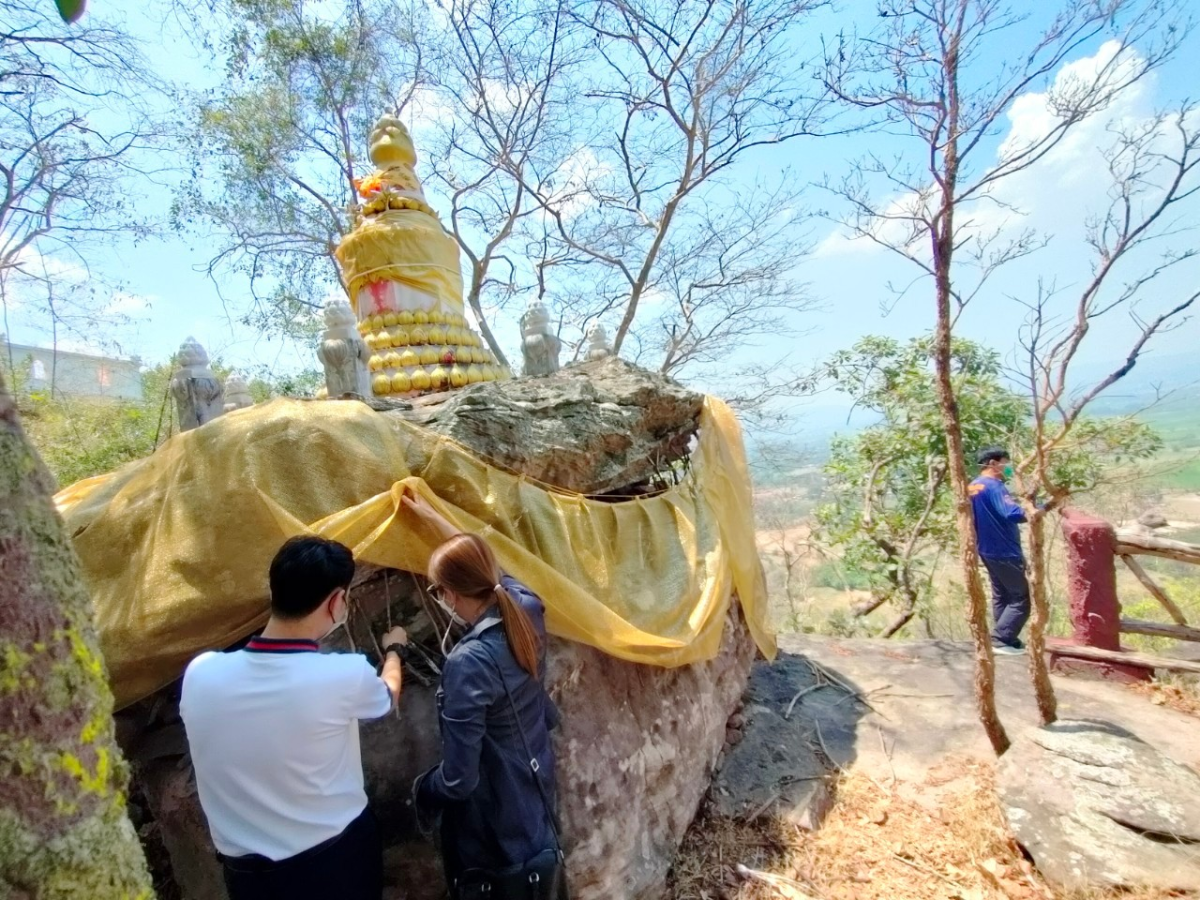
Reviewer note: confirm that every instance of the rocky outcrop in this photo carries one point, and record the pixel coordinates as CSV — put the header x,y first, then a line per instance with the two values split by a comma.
x,y
1095,805
594,428
776,760
637,744
636,751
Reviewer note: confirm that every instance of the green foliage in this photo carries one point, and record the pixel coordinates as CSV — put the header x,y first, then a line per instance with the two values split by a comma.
x,y
1095,447
840,624
890,512
81,437
1184,590
277,148
839,576
889,505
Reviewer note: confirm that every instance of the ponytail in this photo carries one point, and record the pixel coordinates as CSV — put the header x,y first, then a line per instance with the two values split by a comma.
x,y
466,565
522,638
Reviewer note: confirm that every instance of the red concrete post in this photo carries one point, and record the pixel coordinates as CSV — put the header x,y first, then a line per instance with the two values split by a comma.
x,y
1092,595
1092,580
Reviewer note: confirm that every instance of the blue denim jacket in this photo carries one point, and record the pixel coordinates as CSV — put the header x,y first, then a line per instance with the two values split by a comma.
x,y
493,815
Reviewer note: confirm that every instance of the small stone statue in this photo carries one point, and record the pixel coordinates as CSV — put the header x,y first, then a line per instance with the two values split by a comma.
x,y
237,393
197,391
597,342
539,345
344,353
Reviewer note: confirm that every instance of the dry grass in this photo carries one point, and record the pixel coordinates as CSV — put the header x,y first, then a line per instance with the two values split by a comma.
x,y
875,845
1182,698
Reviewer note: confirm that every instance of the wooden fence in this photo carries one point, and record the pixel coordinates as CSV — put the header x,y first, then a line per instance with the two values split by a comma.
x,y
1128,545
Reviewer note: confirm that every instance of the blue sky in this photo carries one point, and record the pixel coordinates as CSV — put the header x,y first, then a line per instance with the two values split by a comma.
x,y
168,297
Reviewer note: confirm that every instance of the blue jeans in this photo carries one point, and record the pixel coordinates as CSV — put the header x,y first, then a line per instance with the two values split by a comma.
x,y
1010,597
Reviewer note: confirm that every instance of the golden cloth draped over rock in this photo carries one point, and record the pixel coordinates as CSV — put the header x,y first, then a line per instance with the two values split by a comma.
x,y
176,547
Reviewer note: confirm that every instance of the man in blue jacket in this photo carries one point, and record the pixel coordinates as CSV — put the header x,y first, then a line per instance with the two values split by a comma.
x,y
997,515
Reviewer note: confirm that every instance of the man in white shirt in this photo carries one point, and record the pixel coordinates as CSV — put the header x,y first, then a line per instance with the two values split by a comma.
x,y
273,734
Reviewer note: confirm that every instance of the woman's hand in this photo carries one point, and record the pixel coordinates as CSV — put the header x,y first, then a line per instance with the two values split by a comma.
x,y
396,635
420,507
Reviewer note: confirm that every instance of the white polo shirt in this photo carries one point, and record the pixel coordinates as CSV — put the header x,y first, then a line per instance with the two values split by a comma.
x,y
273,734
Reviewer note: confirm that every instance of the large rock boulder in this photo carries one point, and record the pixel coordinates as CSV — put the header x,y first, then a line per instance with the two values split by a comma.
x,y
637,744
593,428
1095,805
775,762
636,750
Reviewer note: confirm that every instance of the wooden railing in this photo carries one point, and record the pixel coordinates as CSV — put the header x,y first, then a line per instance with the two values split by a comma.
x,y
1131,543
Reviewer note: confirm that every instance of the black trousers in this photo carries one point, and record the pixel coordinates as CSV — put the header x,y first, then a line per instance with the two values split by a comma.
x,y
1010,597
347,867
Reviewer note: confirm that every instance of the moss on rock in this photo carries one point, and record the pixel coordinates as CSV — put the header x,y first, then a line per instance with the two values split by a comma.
x,y
64,832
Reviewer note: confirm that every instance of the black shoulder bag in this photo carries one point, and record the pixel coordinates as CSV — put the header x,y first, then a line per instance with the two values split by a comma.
x,y
540,878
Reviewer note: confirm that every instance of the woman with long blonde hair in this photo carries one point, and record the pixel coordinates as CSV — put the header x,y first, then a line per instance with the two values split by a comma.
x,y
494,788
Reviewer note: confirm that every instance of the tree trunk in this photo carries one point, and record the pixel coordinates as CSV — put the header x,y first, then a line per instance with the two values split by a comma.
x,y
943,239
968,554
473,300
63,828
1039,672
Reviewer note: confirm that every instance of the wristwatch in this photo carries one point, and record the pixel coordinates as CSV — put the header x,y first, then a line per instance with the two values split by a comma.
x,y
401,650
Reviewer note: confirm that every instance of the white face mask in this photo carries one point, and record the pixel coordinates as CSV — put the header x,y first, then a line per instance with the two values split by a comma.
x,y
455,619
338,623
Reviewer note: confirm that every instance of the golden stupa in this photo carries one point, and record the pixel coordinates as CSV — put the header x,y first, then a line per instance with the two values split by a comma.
x,y
402,272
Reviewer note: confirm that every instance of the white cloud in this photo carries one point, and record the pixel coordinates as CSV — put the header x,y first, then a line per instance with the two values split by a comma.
x,y
895,226
1047,197
1034,115
21,287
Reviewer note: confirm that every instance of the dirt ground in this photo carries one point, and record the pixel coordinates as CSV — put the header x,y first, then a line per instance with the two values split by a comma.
x,y
875,845
915,815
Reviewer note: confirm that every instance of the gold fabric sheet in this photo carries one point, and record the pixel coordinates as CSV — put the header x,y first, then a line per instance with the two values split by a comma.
x,y
369,253
176,546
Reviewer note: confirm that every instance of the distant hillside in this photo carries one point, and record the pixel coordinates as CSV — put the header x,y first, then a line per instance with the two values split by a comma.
x,y
803,444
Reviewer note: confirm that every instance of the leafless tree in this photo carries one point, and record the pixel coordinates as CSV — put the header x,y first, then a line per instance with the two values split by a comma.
x,y
929,74
498,79
72,128
1154,170
659,230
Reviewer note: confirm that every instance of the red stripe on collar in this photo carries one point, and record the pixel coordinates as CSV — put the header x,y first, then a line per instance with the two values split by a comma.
x,y
281,645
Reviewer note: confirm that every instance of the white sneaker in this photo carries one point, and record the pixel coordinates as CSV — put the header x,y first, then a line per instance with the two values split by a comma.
x,y
1006,649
